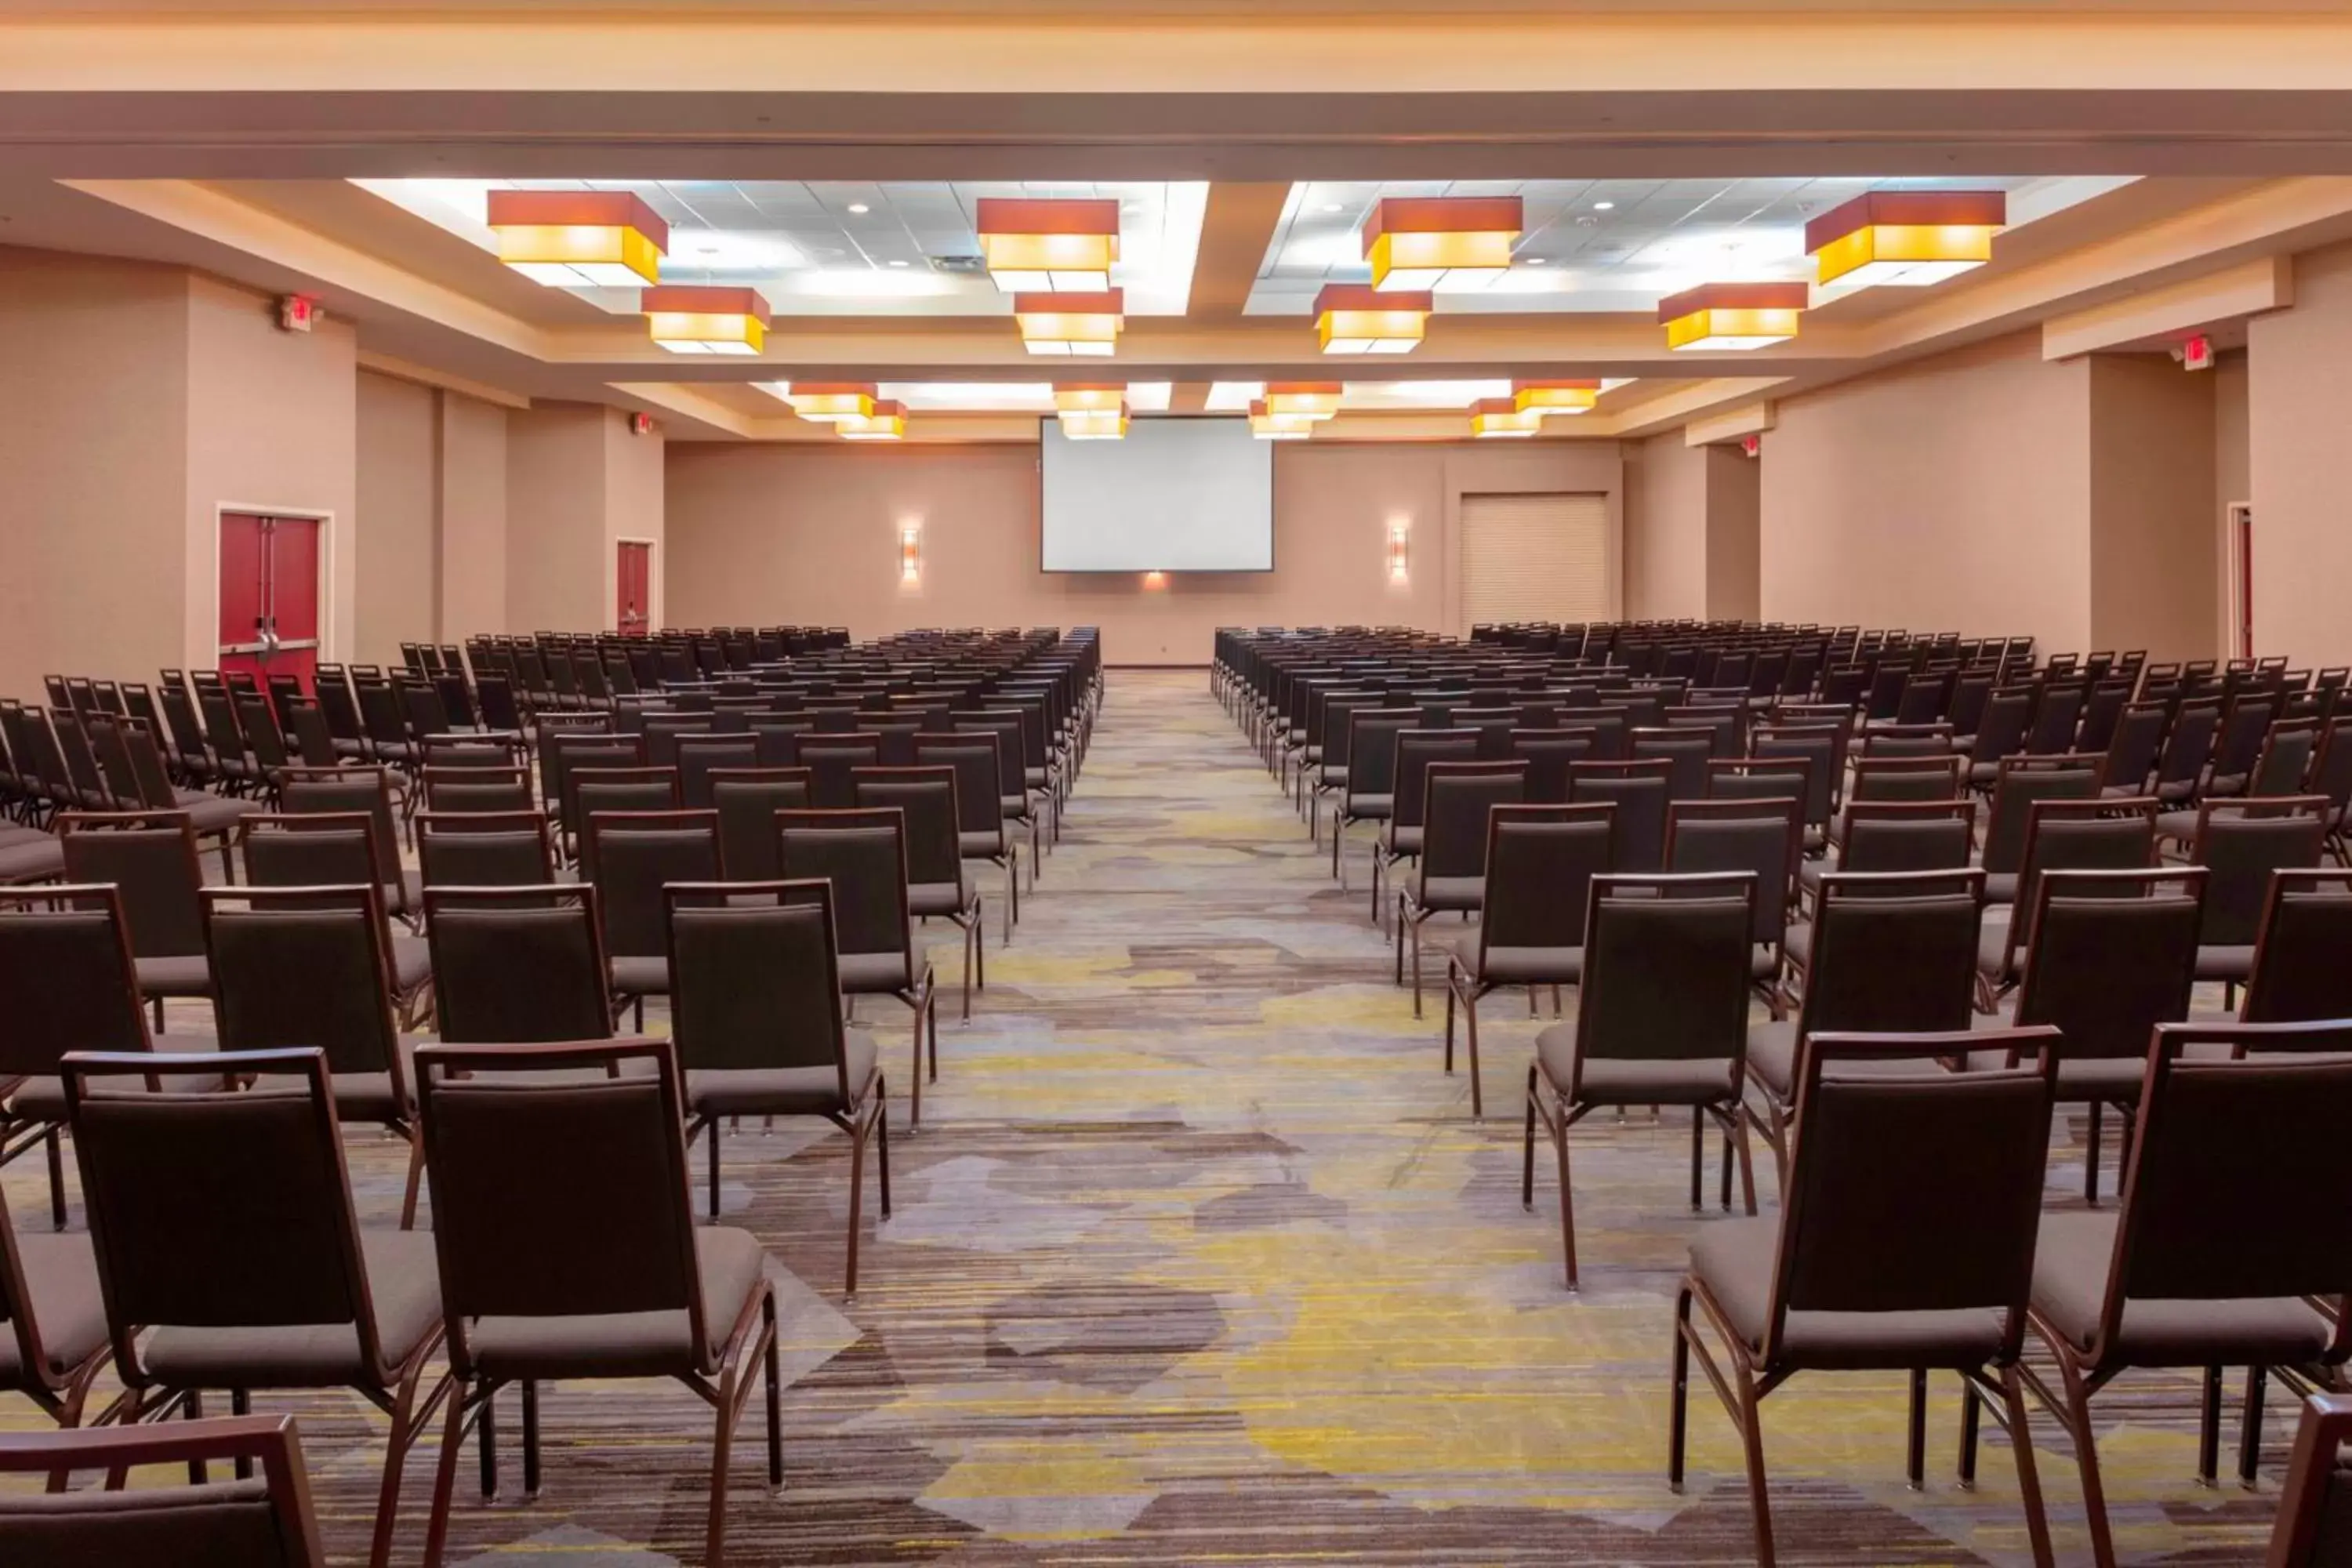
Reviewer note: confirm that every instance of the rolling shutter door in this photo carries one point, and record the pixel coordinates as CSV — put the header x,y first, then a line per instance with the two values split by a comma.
x,y
1536,558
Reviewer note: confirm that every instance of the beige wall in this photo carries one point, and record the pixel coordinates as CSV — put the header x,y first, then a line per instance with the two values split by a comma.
x,y
272,427
555,518
1665,529
635,495
794,533
2153,522
473,500
1734,501
2300,424
93,481
398,486
1953,495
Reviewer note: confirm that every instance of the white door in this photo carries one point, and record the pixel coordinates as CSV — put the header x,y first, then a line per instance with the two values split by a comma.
x,y
1537,558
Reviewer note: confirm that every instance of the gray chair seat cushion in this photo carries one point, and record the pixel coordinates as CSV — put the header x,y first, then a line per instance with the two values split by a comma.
x,y
1332,777
1809,874
628,1344
867,972
1797,942
412,962
939,897
2000,887
783,1091
404,1281
2218,961
31,860
981,846
2112,1080
61,1276
2070,1260
1772,1059
1034,778
405,896
44,1099
641,976
1451,892
210,813
180,975
1984,773
1401,840
1515,965
1734,1259
1634,1080
1764,963
2176,824
1371,807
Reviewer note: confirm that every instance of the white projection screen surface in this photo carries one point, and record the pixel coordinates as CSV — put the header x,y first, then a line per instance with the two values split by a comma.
x,y
1173,495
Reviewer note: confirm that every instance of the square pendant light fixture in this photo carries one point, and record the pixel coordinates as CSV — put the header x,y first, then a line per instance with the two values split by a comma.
x,y
830,402
1545,398
1266,425
1313,400
1076,325
1354,319
1091,413
1492,418
579,239
1721,316
1906,238
1048,246
886,422
1419,243
699,319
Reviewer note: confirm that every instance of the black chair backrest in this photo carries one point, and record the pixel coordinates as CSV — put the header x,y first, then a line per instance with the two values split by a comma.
x,y
2110,955
926,798
1640,791
2024,781
1415,749
1894,952
66,982
477,789
1907,835
152,859
266,1524
630,856
1762,837
308,967
560,1196
864,855
2300,973
1539,861
513,965
1456,799
755,984
2241,842
1917,1192
1665,968
485,849
339,790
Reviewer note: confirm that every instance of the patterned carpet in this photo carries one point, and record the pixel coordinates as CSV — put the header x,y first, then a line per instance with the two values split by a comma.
x,y
1199,1257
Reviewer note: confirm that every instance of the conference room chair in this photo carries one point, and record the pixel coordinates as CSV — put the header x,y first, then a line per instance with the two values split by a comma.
x,y
2279,769
1889,836
2314,1529
340,849
2113,953
568,1250
151,860
2231,1246
1886,953
830,759
229,1256
1661,1019
515,965
1862,1270
1762,836
1015,803
756,1019
665,732
700,756
1822,748
980,833
1530,930
863,852
1876,780
53,1338
2241,842
2247,720
1549,751
1329,757
2088,833
2022,783
295,967
2181,766
2133,747
1686,753
629,858
485,849
1399,836
1450,877
268,1524
476,789
214,817
935,883
1369,793
1641,790
2300,974
334,791
68,982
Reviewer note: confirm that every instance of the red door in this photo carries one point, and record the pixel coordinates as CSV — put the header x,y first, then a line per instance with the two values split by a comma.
x,y
633,615
269,595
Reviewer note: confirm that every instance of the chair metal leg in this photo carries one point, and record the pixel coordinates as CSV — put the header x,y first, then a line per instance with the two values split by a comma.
x,y
1916,1449
774,1378
530,1438
1470,1035
1971,1416
445,1474
857,1202
882,1139
1678,1406
1698,1158
2249,1427
54,1149
710,1131
2086,1461
1527,1160
2091,1158
1567,1200
2029,1474
1751,1440
486,1431
2209,1426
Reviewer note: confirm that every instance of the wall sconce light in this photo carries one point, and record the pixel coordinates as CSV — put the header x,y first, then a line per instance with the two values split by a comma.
x,y
910,554
1153,582
1399,533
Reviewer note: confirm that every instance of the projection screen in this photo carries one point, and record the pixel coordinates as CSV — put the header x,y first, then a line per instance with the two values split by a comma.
x,y
1173,495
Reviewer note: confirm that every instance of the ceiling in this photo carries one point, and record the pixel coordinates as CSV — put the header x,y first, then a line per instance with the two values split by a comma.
x,y
1656,146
